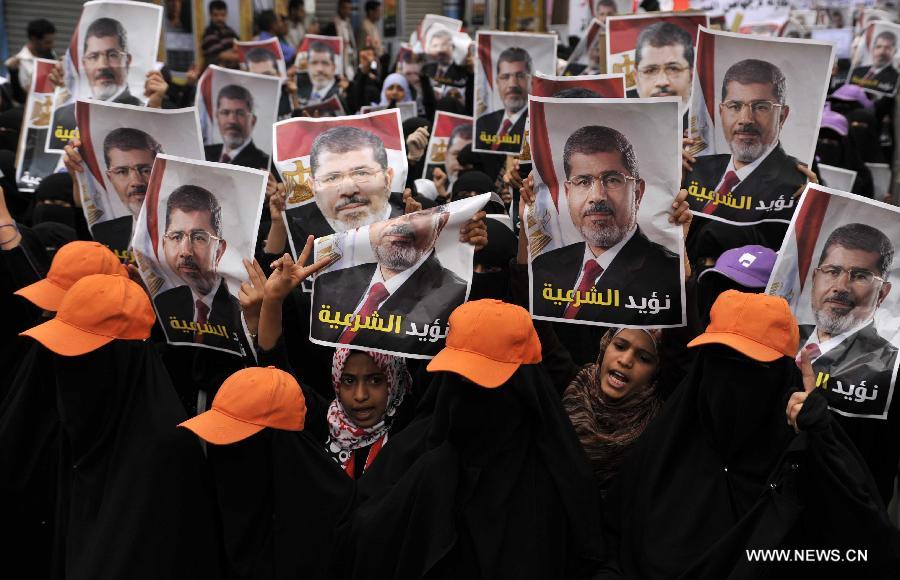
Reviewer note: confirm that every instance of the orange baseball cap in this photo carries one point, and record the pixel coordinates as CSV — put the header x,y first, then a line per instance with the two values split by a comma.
x,y
487,342
759,326
249,401
72,262
96,310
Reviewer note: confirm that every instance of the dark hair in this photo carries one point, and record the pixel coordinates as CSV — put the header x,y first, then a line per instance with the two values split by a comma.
x,y
40,28
345,139
129,139
260,54
266,19
217,5
320,47
576,93
461,131
235,92
862,237
372,5
515,54
103,27
607,3
192,198
752,71
295,4
665,34
887,35
597,139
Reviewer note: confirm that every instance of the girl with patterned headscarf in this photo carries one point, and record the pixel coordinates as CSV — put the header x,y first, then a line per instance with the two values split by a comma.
x,y
369,389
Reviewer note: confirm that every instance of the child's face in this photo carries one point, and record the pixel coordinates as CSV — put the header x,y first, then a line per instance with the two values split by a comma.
x,y
218,17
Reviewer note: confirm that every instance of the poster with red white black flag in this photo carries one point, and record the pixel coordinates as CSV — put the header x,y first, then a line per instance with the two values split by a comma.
x,y
340,173
263,57
601,249
835,268
756,105
506,63
33,164
623,33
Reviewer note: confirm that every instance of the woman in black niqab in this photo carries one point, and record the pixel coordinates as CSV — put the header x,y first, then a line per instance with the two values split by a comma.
x,y
134,498
720,473
486,483
280,499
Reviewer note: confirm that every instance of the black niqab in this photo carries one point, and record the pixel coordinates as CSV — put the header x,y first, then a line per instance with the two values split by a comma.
x,y
280,499
486,483
701,465
134,496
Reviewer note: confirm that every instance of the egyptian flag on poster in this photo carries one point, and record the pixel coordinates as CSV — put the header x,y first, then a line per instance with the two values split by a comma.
x,y
252,51
33,164
579,60
605,86
806,225
445,125
334,42
622,33
702,116
292,146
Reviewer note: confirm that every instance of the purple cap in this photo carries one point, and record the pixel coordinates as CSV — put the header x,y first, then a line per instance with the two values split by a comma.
x,y
853,93
834,121
749,266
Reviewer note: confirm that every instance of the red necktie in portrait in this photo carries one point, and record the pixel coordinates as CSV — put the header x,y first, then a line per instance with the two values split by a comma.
x,y
202,314
728,184
504,129
376,295
589,275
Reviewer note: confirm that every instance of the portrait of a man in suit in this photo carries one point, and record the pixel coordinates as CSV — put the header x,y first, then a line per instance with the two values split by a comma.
x,y
320,72
407,279
193,245
351,181
105,61
881,74
440,67
758,171
262,62
504,129
604,190
129,155
849,284
664,58
236,119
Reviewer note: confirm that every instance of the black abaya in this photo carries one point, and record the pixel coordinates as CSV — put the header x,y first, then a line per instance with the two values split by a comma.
x,y
134,499
485,483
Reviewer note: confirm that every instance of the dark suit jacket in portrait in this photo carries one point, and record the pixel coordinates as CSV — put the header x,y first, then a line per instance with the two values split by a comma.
x,y
885,81
862,357
862,360
454,75
304,89
489,124
776,177
65,116
115,233
226,311
431,293
250,156
640,268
